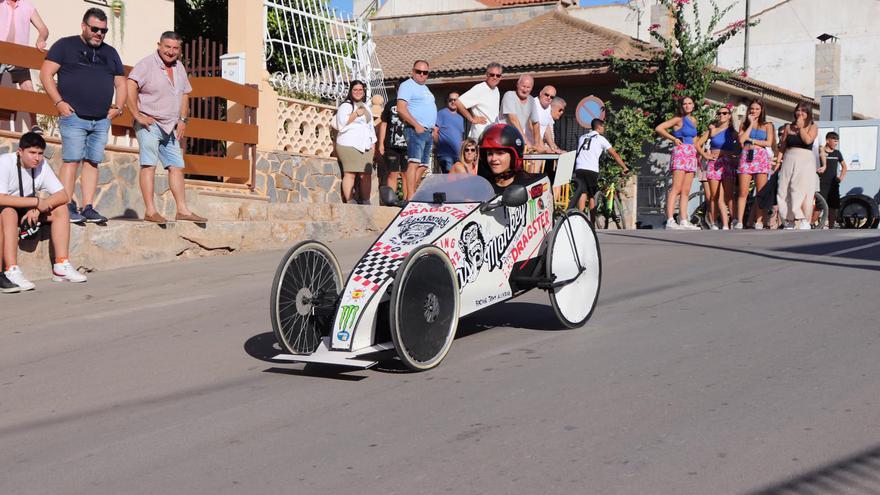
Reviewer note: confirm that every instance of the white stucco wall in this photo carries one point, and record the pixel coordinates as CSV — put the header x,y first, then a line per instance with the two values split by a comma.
x,y
782,46
145,20
616,17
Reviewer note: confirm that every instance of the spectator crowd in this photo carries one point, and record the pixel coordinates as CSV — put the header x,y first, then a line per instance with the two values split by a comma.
x,y
85,79
413,134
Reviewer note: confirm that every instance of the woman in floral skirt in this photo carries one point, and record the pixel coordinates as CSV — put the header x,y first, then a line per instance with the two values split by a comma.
x,y
684,161
720,165
758,140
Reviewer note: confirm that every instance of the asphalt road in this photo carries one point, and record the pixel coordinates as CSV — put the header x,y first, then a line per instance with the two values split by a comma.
x,y
715,363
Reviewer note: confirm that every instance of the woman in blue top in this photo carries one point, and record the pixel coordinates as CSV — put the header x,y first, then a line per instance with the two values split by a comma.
x,y
758,140
684,161
719,166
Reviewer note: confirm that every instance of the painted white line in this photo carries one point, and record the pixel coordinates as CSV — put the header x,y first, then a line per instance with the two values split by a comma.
x,y
856,248
144,307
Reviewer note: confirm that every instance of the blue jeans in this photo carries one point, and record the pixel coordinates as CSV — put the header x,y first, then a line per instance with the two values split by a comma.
x,y
446,162
419,146
83,139
156,145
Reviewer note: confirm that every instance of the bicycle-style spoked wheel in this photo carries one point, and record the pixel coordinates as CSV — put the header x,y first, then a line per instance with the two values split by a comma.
x,y
306,287
574,267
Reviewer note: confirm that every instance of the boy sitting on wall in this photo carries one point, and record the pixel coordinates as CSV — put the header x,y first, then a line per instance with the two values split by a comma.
x,y
24,175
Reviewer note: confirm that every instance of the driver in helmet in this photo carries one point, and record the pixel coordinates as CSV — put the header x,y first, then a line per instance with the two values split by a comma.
x,y
501,152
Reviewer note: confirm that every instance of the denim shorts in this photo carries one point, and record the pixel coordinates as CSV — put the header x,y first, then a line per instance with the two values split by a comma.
x,y
155,144
83,139
446,162
419,146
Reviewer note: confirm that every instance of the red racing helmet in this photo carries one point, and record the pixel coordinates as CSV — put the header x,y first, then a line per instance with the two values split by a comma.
x,y
502,137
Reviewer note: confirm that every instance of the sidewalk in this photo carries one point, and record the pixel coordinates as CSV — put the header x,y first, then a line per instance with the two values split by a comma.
x,y
234,226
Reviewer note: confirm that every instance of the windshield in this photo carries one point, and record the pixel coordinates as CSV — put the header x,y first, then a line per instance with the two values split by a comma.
x,y
459,188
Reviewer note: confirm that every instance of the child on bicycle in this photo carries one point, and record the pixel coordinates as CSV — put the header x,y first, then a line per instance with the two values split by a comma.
x,y
586,164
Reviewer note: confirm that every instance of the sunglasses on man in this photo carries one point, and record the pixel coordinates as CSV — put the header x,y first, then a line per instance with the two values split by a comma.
x,y
422,72
496,75
96,29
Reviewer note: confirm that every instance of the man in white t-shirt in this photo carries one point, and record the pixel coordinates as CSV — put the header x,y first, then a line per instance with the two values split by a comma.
x,y
548,109
586,163
30,196
480,104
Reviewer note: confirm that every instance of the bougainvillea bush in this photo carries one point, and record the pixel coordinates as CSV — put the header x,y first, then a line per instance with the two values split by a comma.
x,y
682,66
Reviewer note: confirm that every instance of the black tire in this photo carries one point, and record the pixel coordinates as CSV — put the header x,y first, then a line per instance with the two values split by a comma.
x,y
821,207
856,213
424,308
308,278
572,244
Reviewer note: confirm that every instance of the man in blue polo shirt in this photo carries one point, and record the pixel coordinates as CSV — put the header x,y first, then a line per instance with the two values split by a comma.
x,y
416,106
88,70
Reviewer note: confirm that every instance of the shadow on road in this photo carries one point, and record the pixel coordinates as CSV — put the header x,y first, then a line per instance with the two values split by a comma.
x,y
858,473
513,314
815,249
264,347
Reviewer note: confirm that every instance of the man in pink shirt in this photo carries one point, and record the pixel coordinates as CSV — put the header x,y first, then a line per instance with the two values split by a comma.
x,y
16,16
158,97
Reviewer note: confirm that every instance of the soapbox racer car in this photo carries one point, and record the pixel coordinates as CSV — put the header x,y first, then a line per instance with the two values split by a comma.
x,y
456,248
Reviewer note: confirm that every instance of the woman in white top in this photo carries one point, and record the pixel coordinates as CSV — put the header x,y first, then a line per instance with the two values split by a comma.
x,y
355,142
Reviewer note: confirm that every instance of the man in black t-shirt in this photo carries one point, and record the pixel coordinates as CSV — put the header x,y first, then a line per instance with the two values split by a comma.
x,y
392,146
829,182
88,70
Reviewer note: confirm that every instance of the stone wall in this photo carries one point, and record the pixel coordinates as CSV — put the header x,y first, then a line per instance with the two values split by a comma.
x,y
118,193
288,178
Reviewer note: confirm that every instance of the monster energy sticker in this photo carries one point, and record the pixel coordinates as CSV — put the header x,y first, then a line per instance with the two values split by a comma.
x,y
347,318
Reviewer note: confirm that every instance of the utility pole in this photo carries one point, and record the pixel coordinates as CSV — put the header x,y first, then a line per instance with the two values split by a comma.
x,y
746,38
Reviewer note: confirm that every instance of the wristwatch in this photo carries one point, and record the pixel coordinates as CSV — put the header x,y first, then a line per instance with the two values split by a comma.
x,y
183,119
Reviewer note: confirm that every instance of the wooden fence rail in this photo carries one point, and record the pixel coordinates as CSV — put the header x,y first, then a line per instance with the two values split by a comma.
x,y
246,133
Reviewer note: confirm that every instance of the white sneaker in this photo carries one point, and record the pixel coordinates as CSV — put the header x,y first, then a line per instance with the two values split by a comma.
x,y
737,225
726,227
671,225
713,227
16,277
686,225
759,226
65,272
804,225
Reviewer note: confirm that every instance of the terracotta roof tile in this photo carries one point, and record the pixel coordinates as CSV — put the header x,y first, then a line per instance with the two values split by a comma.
x,y
553,39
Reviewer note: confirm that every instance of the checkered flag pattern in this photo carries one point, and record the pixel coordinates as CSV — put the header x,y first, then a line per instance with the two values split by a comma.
x,y
377,266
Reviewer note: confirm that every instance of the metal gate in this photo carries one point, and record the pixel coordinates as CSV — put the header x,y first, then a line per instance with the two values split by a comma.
x,y
312,49
202,57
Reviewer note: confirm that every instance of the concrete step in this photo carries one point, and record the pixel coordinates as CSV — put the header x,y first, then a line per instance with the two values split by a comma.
x,y
259,226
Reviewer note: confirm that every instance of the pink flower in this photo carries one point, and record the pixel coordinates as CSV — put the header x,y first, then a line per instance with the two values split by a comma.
x,y
681,2
653,27
729,106
607,53
744,74
680,87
